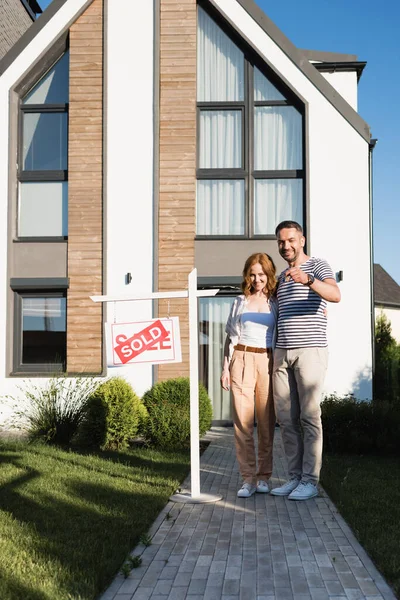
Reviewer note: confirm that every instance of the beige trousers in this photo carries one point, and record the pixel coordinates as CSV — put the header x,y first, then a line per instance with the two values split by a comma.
x,y
298,377
252,391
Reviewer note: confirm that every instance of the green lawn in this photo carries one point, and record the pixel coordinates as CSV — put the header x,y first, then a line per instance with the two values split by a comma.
x,y
366,491
68,520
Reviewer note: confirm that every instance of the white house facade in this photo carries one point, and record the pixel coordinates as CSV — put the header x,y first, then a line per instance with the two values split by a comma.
x,y
143,143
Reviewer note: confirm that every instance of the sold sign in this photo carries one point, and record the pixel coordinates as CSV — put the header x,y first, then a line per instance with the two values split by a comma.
x,y
155,341
141,341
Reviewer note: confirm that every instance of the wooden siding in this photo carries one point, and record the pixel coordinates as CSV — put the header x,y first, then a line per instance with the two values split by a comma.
x,y
177,172
85,203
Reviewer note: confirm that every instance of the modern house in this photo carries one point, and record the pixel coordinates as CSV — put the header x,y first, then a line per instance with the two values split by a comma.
x,y
387,299
15,18
146,141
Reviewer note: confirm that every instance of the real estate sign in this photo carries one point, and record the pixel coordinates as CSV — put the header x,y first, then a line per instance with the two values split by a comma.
x,y
155,341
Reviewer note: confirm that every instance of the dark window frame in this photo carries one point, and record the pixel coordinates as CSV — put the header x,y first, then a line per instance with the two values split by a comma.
x,y
37,369
248,104
43,176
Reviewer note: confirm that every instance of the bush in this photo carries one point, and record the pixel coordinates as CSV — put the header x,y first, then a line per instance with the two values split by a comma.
x,y
112,416
360,427
168,406
52,413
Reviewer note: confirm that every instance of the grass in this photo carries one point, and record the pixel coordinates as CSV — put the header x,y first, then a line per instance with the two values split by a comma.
x,y
69,520
366,491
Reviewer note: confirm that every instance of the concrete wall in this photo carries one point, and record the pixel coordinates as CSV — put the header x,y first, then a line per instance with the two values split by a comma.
x,y
129,94
346,84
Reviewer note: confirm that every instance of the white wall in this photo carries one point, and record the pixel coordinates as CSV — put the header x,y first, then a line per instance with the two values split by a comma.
x,y
393,314
346,84
129,166
339,198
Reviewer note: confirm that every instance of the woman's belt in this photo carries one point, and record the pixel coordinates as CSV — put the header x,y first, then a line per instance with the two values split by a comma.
x,y
244,348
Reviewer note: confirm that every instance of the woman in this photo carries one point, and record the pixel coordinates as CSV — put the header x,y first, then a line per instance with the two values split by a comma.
x,y
247,370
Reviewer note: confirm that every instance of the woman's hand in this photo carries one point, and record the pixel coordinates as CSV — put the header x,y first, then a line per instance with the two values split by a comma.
x,y
225,381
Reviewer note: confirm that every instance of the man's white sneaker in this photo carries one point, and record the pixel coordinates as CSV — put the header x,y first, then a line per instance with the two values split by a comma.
x,y
262,487
304,491
246,490
286,488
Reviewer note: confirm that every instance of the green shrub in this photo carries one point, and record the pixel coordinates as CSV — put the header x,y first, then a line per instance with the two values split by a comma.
x,y
168,406
112,416
52,413
360,427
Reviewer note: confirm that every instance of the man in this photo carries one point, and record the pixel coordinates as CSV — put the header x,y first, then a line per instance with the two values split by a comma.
x,y
300,359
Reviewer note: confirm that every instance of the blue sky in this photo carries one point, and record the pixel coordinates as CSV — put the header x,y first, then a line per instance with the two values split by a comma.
x,y
368,29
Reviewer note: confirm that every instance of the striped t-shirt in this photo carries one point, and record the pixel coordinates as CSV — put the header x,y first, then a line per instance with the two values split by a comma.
x,y
301,319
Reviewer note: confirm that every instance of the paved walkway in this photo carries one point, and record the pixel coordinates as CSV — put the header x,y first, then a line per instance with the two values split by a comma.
x,y
261,548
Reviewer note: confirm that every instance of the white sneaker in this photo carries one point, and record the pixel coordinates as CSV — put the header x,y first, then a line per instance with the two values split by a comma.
x,y
286,488
262,487
246,490
304,491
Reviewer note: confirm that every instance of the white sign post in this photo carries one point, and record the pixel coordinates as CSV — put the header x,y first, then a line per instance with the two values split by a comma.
x,y
192,293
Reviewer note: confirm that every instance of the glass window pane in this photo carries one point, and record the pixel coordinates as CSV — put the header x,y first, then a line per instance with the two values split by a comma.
x,y
277,138
276,200
220,207
43,330
220,139
53,88
213,314
45,144
43,209
263,88
220,63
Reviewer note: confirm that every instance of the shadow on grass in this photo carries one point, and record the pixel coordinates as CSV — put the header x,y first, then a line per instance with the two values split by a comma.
x,y
79,531
11,589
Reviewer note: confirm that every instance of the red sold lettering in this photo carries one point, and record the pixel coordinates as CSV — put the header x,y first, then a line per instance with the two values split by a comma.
x,y
129,348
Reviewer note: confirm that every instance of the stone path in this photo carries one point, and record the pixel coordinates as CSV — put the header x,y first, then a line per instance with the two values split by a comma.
x,y
260,548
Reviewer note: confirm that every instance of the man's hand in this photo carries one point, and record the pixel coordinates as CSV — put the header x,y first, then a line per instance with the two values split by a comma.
x,y
225,381
297,275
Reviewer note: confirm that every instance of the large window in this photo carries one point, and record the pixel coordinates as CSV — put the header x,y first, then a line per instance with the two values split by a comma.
x,y
43,156
250,141
40,319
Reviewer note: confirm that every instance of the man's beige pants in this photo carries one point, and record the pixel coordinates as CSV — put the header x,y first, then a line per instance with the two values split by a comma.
x,y
298,377
251,388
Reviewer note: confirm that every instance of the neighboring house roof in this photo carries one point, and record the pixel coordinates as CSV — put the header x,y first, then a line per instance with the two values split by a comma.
x,y
386,290
30,34
32,7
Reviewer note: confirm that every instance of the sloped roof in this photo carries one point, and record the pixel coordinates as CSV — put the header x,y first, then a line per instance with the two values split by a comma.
x,y
386,290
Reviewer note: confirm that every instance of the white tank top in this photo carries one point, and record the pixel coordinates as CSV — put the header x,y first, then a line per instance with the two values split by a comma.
x,y
257,329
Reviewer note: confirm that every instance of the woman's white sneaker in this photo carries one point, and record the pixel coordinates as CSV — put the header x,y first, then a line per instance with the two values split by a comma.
x,y
262,487
246,490
286,488
304,491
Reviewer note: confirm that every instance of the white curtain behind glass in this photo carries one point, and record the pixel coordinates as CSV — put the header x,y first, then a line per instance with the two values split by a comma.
x,y
220,139
220,64
276,200
220,207
213,316
277,138
263,88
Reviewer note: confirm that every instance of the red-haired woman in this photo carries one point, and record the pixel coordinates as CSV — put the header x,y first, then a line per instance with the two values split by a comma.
x,y
247,371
